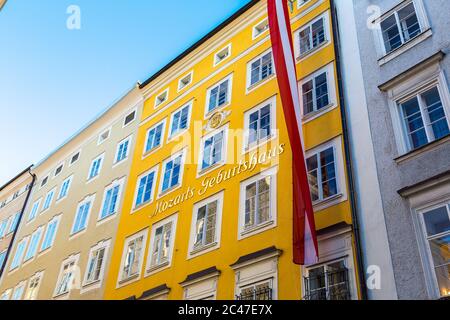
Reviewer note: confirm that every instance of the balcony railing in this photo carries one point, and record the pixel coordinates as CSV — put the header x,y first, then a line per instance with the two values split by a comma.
x,y
328,286
257,294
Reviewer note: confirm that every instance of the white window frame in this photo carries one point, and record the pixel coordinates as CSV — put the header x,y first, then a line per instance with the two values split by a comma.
x,y
194,252
74,278
246,147
331,85
95,284
180,131
37,203
53,192
102,157
155,170
301,3
125,281
20,286
61,165
89,199
126,116
327,29
6,295
69,180
223,161
162,193
163,133
57,220
228,78
181,84
21,256
130,141
37,276
272,222
117,182
251,87
217,56
257,32
149,269
159,101
72,156
42,184
100,140
36,252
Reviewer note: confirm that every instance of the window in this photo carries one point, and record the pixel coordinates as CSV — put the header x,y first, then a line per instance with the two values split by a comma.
x,y
327,282
96,166
18,291
111,200
260,28
34,243
206,224
180,120
34,210
219,95
75,158
322,175
18,256
123,150
222,55
59,169
103,136
260,69
312,36
96,263
129,118
400,27
161,244
50,234
213,149
258,202
145,188
436,229
160,99
132,256
66,276
33,287
14,223
173,172
2,258
424,118
82,216
154,137
5,295
260,124
257,291
48,200
302,2
65,188
3,227
185,81
44,181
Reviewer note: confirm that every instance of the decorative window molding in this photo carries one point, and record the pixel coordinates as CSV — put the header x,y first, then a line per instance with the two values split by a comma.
x,y
34,211
50,233
33,248
18,291
96,167
82,215
123,150
95,268
201,285
145,188
33,286
48,200
222,55
185,81
154,137
69,276
162,98
14,223
219,95
313,36
65,187
132,258
112,200
19,254
206,225
6,295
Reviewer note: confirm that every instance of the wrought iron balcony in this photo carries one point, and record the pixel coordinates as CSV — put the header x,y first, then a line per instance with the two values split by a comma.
x,y
257,294
328,286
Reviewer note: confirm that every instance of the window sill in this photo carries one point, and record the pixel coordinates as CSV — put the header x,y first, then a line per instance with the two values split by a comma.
x,y
210,113
426,148
308,53
260,83
151,151
92,283
405,47
168,191
201,249
129,279
61,295
318,113
251,230
157,268
259,144
210,169
326,201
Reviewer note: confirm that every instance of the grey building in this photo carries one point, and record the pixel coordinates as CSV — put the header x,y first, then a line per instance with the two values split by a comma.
x,y
396,69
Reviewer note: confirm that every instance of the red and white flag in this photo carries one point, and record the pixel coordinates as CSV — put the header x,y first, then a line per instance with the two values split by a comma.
x,y
304,232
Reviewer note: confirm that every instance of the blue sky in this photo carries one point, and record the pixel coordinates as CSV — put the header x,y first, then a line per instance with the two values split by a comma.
x,y
54,80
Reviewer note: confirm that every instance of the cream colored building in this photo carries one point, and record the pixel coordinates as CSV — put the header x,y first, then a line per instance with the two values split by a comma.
x,y
71,219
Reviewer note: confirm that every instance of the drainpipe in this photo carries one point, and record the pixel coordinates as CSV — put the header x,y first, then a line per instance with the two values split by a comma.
x,y
348,158
8,252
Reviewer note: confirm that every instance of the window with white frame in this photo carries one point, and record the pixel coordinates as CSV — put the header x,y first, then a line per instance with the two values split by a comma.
x,y
316,91
48,199
103,136
179,120
154,137
435,225
172,172
14,223
145,187
75,158
219,95
96,165
65,188
123,150
424,118
34,244
132,257
222,55
302,2
260,124
2,258
20,251
400,26
111,199
5,295
33,287
66,276
258,202
213,149
96,263
260,69
3,227
206,224
50,233
322,174
185,81
129,118
161,243
58,170
161,98
18,291
260,28
34,210
44,181
82,216
312,36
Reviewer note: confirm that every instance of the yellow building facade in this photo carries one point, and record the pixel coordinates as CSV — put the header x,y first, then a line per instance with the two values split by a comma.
x,y
207,211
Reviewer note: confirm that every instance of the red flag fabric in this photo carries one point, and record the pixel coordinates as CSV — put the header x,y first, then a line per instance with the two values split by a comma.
x,y
305,245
